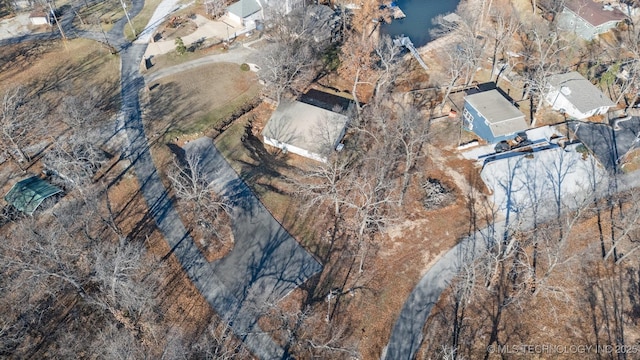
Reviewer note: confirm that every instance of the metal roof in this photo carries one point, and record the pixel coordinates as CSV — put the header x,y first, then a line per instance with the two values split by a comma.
x,y
305,126
503,118
582,93
26,195
244,8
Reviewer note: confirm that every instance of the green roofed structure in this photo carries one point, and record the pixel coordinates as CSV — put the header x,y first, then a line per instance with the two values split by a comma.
x,y
26,195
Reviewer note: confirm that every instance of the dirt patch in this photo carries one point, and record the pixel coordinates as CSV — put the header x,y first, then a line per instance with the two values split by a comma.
x,y
177,26
99,16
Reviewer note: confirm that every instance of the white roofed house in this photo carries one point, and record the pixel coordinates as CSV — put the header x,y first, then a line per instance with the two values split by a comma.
x,y
576,96
245,13
306,130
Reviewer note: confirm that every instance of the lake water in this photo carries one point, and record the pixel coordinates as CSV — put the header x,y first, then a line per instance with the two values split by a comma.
x,y
418,21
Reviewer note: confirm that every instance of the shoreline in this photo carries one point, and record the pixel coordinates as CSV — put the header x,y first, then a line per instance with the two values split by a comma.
x,y
440,42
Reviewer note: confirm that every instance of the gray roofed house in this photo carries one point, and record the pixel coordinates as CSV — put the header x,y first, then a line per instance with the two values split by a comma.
x,y
304,129
26,195
576,96
491,116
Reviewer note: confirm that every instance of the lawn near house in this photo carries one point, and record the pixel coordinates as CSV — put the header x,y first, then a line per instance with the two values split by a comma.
x,y
197,100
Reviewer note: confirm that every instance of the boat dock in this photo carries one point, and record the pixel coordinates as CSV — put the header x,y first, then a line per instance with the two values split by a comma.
x,y
394,11
406,42
397,13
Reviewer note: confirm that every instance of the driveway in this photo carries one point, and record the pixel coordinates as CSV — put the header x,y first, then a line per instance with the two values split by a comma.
x,y
206,29
407,333
238,54
266,262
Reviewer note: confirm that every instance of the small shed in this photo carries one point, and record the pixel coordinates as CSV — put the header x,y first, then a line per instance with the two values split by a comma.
x,y
26,195
39,18
304,129
576,96
245,13
492,117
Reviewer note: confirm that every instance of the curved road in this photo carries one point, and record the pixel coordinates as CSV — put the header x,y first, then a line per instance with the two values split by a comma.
x,y
266,262
407,333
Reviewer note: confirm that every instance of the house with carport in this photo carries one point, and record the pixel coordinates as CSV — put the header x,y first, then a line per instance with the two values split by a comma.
x,y
575,96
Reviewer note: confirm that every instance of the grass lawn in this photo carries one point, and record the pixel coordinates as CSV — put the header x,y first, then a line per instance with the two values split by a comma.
x,y
141,20
173,58
51,66
196,100
102,14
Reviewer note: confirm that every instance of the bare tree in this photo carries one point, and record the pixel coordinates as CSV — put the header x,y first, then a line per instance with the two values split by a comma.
x,y
412,133
215,8
195,192
324,182
387,52
286,67
504,25
372,197
543,48
75,159
218,342
18,118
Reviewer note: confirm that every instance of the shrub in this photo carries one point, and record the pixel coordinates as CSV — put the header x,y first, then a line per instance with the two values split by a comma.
x,y
244,67
180,48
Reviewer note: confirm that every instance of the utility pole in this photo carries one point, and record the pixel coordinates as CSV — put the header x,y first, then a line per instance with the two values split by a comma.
x,y
55,18
126,13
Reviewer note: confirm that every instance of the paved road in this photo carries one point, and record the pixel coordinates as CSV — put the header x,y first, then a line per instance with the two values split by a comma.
x,y
407,333
266,262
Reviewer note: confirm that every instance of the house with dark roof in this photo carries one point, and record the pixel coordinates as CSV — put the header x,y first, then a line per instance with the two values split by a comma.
x,y
308,130
26,195
245,13
576,96
491,116
588,19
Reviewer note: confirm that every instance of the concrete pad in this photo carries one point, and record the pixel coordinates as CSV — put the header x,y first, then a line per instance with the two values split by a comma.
x,y
15,26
